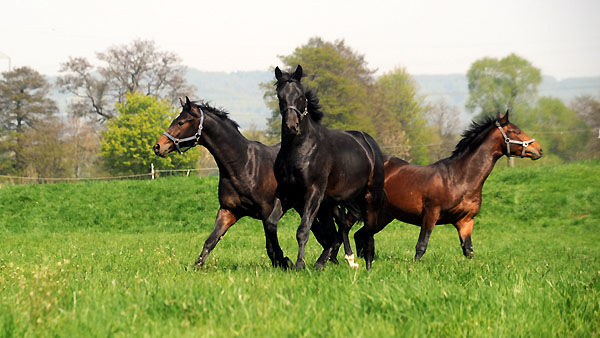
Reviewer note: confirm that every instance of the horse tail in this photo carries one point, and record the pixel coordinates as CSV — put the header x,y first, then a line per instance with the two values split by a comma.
x,y
377,175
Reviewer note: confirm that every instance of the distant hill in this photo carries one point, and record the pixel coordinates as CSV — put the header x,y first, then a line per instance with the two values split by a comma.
x,y
239,92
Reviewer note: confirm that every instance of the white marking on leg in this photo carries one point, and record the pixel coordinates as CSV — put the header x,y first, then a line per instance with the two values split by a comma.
x,y
351,262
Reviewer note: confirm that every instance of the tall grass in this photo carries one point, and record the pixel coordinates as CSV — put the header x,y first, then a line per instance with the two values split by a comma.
x,y
115,258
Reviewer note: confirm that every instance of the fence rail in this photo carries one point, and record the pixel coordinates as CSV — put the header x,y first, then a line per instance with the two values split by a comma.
x,y
151,175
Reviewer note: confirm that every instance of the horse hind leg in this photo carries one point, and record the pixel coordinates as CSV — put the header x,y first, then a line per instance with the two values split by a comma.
x,y
225,219
465,229
344,222
322,237
325,214
429,219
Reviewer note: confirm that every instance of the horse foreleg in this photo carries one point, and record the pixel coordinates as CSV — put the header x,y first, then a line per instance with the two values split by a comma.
x,y
225,219
429,219
465,228
270,226
313,200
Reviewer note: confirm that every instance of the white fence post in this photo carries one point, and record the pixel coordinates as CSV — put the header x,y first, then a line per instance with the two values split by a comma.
x,y
152,170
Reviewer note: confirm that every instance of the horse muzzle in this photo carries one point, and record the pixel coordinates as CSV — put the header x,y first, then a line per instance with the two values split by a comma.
x,y
162,147
534,154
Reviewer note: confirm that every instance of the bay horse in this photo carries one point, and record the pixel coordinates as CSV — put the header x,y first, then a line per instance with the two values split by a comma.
x,y
246,180
449,190
319,168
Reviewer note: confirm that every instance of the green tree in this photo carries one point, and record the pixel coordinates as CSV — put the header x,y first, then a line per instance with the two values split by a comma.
x,y
562,134
23,102
496,85
126,146
342,80
402,128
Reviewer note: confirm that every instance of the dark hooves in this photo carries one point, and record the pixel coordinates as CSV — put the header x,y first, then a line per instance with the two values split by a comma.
x,y
285,263
198,265
300,265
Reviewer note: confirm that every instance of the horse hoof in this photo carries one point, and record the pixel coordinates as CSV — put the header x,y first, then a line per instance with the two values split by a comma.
x,y
351,262
300,265
319,265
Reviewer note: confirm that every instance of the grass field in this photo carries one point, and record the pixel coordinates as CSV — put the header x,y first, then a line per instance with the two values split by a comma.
x,y
115,259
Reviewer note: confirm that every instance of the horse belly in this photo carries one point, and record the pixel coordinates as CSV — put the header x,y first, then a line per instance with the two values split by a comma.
x,y
404,203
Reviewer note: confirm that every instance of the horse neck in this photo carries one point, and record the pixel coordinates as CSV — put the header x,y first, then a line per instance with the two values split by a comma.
x,y
225,143
475,166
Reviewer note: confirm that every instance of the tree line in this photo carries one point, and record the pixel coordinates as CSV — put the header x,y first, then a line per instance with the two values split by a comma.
x,y
117,109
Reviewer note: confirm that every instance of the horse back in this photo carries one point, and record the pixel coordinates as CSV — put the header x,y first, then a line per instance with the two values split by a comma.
x,y
356,160
411,189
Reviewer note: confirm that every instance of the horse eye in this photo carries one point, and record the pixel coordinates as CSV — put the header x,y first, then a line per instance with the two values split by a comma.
x,y
180,123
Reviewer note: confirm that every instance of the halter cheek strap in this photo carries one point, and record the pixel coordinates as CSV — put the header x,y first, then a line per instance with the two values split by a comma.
x,y
196,137
508,141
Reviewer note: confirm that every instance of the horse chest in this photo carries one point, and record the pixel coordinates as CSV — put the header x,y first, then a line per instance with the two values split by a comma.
x,y
468,205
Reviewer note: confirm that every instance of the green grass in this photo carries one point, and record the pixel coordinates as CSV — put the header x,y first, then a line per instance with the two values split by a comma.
x,y
115,259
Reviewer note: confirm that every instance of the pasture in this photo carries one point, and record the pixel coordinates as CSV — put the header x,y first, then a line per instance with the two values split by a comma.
x,y
116,259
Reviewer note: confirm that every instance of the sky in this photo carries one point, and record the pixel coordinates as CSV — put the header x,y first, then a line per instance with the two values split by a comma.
x,y
562,38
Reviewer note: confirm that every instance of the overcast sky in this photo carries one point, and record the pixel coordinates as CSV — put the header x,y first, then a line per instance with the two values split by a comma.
x,y
427,37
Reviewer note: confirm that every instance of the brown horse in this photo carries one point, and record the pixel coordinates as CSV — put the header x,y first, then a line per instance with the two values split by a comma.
x,y
449,191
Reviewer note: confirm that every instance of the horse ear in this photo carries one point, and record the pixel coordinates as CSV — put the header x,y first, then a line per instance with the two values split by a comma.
x,y
187,101
298,73
278,73
503,119
181,102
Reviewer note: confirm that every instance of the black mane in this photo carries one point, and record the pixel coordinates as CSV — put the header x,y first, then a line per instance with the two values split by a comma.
x,y
314,108
474,135
220,112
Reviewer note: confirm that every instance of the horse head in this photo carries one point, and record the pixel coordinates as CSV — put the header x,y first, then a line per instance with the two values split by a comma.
x,y
515,141
184,131
292,99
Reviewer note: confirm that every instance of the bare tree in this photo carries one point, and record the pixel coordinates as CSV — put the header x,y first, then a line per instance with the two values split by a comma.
x,y
445,120
587,108
137,67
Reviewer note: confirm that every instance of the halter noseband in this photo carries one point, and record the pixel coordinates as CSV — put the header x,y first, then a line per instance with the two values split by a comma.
x,y
195,137
300,114
508,141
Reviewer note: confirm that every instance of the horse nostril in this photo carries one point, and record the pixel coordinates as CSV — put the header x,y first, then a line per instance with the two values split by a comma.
x,y
156,148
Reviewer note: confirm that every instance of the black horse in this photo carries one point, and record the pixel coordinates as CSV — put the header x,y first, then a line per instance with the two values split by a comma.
x,y
246,180
318,168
